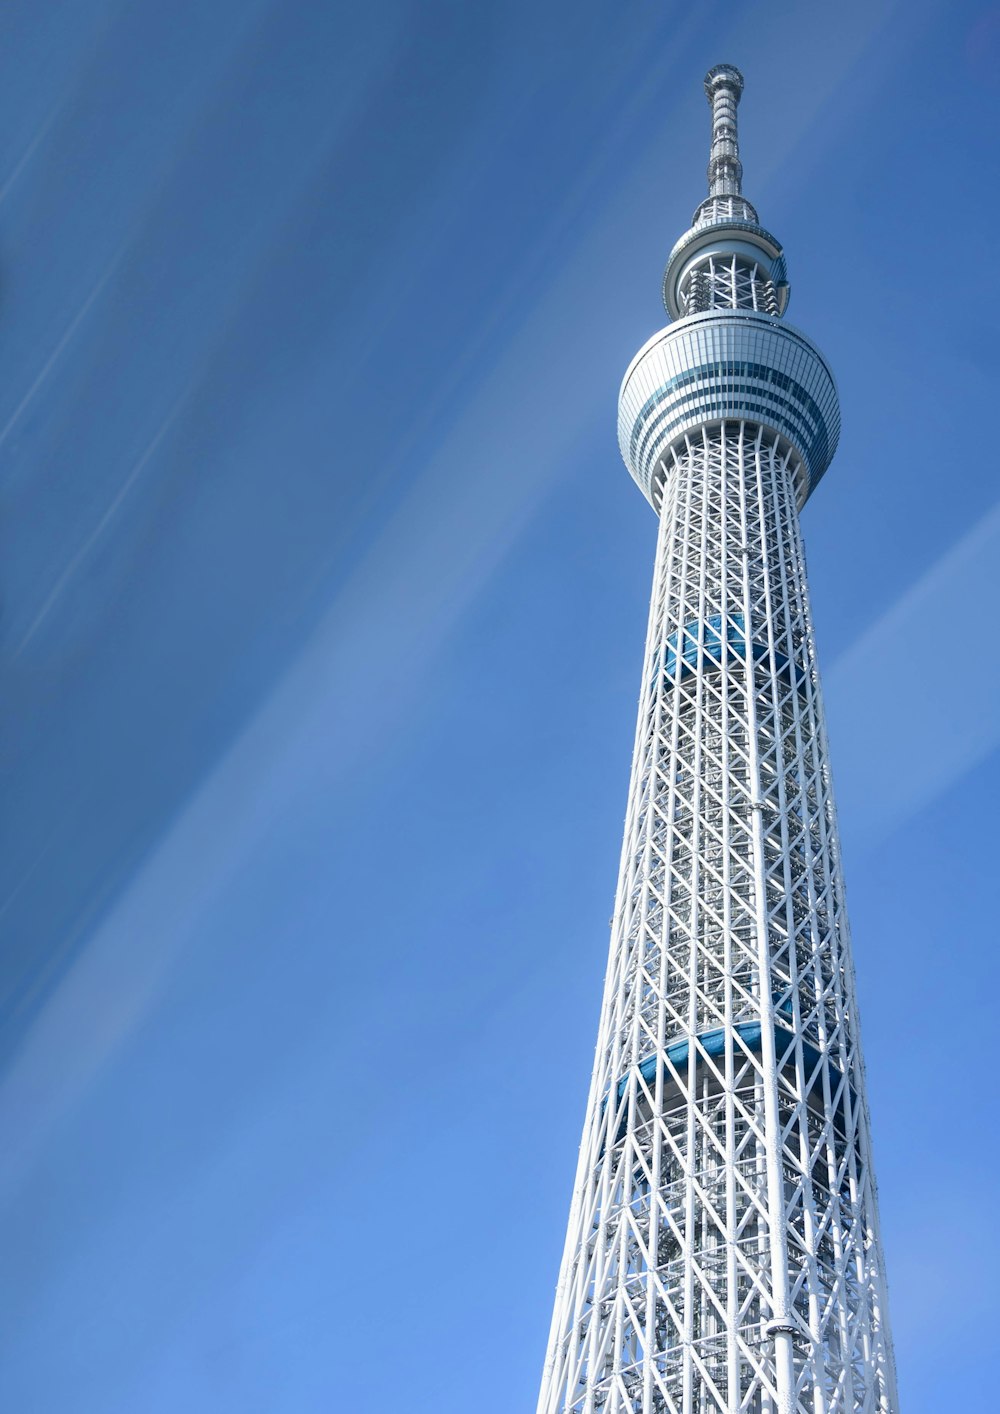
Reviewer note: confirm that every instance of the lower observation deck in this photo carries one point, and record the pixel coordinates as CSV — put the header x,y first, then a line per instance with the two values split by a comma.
x,y
728,365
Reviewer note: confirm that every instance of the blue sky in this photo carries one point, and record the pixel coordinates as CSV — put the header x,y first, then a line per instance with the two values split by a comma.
x,y
323,596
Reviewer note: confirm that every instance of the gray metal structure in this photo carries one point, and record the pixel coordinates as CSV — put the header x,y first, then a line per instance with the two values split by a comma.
x,y
723,1249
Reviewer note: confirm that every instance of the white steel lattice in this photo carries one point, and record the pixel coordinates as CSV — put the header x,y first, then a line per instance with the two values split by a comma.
x,y
729,282
723,1249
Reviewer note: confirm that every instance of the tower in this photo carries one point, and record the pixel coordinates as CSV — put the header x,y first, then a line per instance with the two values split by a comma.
x,y
723,1249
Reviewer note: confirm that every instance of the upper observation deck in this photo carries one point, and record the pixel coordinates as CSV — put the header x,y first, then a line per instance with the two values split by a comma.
x,y
721,366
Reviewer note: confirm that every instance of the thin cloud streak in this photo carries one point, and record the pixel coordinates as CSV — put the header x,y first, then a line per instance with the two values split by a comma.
x,y
426,568
98,530
28,152
54,356
912,704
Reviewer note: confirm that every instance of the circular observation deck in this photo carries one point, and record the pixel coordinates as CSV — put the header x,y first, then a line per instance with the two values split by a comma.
x,y
722,366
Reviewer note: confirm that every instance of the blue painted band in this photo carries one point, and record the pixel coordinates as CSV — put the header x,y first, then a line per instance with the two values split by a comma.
x,y
702,646
713,1043
817,436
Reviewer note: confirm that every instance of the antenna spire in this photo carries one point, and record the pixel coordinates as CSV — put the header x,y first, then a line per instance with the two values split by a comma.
x,y
723,86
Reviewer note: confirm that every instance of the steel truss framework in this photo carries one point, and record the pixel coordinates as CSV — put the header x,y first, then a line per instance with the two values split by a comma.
x,y
723,1250
728,282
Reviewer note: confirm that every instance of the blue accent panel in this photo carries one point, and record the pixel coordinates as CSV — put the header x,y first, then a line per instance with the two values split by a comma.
x,y
703,644
713,1043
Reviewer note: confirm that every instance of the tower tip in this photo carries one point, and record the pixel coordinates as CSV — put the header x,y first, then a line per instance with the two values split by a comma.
x,y
720,75
723,86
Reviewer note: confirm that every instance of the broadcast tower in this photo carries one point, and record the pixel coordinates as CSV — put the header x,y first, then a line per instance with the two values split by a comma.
x,y
723,1249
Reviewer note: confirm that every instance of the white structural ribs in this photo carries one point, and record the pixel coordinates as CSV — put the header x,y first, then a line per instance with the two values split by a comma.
x,y
723,1249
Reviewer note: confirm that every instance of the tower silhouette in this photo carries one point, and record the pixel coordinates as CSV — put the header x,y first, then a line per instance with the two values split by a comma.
x,y
723,1249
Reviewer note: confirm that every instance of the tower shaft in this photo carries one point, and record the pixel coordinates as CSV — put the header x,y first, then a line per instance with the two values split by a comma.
x,y
723,1250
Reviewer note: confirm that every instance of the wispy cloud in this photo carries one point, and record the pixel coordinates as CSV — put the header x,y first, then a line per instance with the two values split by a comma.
x,y
443,541
53,358
28,153
64,578
913,704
